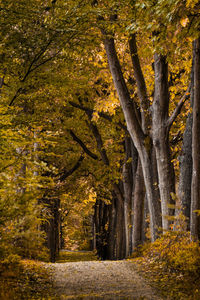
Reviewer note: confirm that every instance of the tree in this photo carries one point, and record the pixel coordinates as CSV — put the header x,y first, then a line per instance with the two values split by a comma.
x,y
195,205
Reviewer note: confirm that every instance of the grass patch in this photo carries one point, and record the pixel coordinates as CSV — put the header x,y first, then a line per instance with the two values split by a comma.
x,y
75,256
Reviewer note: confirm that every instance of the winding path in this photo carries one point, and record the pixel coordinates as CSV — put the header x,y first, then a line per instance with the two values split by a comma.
x,y
99,280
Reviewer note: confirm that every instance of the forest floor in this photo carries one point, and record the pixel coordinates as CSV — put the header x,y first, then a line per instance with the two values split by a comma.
x,y
99,280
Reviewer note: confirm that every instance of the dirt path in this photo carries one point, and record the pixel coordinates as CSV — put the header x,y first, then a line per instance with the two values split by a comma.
x,y
99,280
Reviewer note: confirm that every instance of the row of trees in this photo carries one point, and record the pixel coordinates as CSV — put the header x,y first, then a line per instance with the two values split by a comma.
x,y
129,150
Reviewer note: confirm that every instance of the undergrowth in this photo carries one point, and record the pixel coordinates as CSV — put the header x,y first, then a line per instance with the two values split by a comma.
x,y
172,265
24,279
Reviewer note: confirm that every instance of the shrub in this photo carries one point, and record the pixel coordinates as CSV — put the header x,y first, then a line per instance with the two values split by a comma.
x,y
173,264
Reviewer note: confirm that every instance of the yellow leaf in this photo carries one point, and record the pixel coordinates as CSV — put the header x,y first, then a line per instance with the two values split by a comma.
x,y
191,3
184,21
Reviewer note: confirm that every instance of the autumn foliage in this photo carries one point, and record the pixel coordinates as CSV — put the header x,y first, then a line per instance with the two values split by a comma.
x,y
172,264
99,130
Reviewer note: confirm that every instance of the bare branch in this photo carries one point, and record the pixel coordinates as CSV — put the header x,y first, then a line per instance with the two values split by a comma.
x,y
101,114
83,146
72,170
95,132
15,96
141,85
99,142
178,108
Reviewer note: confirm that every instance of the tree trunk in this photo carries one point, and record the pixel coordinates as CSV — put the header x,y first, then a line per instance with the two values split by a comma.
x,y
111,230
161,139
185,161
138,211
156,191
53,232
134,128
195,201
127,187
185,179
94,243
134,164
120,228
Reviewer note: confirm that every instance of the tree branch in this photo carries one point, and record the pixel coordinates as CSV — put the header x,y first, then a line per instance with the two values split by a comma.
x,y
99,142
95,132
101,114
31,68
133,124
15,96
83,146
72,170
178,108
141,85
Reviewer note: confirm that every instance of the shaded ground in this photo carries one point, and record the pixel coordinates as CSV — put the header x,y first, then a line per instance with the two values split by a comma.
x,y
99,280
73,256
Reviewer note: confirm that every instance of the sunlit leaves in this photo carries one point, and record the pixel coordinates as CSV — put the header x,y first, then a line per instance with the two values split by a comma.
x,y
184,22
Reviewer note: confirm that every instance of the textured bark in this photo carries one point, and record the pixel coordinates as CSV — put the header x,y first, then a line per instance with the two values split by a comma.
x,y
141,85
186,170
139,195
156,191
185,160
161,139
133,126
195,202
127,186
134,164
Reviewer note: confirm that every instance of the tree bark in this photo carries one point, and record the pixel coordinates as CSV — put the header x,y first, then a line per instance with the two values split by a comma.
x,y
134,164
185,179
161,139
134,127
195,201
185,160
127,186
141,85
139,195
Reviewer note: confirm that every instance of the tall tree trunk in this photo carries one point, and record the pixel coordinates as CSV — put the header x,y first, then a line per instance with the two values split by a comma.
x,y
134,164
127,187
97,226
195,201
138,210
185,159
120,225
111,230
156,191
185,179
94,242
53,232
161,139
134,127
